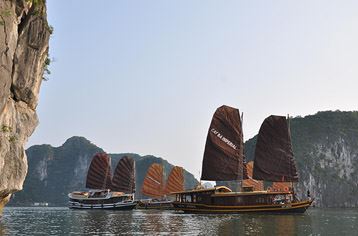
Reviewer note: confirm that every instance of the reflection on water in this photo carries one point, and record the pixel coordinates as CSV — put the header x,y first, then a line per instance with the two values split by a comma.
x,y
259,224
62,221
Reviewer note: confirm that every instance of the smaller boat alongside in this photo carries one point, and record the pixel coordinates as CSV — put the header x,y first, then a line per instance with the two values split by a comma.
x,y
159,192
105,192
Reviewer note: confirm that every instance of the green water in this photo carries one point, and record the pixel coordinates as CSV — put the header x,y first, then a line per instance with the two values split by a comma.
x,y
63,221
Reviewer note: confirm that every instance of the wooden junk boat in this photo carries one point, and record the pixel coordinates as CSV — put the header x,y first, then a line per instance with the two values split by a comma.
x,y
105,192
155,187
224,161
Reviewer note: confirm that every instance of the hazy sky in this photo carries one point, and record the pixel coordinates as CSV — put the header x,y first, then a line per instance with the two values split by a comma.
x,y
147,76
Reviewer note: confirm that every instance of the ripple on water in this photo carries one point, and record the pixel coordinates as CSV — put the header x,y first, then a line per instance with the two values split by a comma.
x,y
63,221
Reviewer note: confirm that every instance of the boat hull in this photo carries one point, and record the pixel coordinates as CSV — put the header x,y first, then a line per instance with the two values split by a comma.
x,y
111,206
165,205
193,208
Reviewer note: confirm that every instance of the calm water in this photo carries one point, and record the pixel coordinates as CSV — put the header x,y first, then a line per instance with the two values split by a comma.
x,y
63,221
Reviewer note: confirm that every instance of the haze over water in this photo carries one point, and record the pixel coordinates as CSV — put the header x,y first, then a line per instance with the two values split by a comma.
x,y
62,221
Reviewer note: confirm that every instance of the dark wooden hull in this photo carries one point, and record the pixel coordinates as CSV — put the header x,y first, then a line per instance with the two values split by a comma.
x,y
194,208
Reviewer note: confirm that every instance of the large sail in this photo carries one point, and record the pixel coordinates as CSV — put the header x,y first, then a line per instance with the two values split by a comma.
x,y
99,172
175,182
274,159
153,181
223,155
258,185
124,176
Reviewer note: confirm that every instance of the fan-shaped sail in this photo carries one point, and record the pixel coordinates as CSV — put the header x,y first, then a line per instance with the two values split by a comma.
x,y
274,159
250,182
175,182
223,155
99,172
153,181
124,176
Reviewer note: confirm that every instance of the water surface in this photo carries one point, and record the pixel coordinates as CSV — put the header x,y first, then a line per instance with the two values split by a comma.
x,y
63,221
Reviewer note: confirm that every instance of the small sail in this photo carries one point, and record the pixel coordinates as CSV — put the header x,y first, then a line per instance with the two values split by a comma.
x,y
258,185
223,155
99,172
124,176
281,186
175,182
274,159
153,181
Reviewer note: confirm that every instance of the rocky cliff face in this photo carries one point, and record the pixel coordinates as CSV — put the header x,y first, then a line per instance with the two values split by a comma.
x,y
326,151
24,37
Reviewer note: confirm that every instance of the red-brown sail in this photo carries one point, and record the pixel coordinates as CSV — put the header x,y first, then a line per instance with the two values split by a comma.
x,y
281,186
99,172
250,182
223,155
175,182
274,159
153,181
124,176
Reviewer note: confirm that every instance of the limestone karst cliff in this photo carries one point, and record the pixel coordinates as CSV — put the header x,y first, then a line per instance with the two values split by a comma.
x,y
24,39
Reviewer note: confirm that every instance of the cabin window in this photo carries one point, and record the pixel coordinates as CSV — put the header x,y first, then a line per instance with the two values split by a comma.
x,y
194,198
187,198
260,200
238,200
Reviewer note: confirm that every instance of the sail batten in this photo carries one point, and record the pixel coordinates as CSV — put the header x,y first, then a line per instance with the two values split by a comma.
x,y
99,172
274,160
223,155
124,176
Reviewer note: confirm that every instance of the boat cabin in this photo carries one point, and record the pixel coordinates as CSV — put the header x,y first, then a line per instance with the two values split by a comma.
x,y
223,196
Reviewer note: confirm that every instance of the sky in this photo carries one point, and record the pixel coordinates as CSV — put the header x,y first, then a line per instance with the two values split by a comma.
x,y
146,76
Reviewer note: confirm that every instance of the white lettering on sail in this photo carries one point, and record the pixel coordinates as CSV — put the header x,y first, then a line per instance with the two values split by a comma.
x,y
222,138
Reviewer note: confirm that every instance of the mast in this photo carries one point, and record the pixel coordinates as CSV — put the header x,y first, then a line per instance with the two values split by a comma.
x,y
290,138
243,164
163,179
